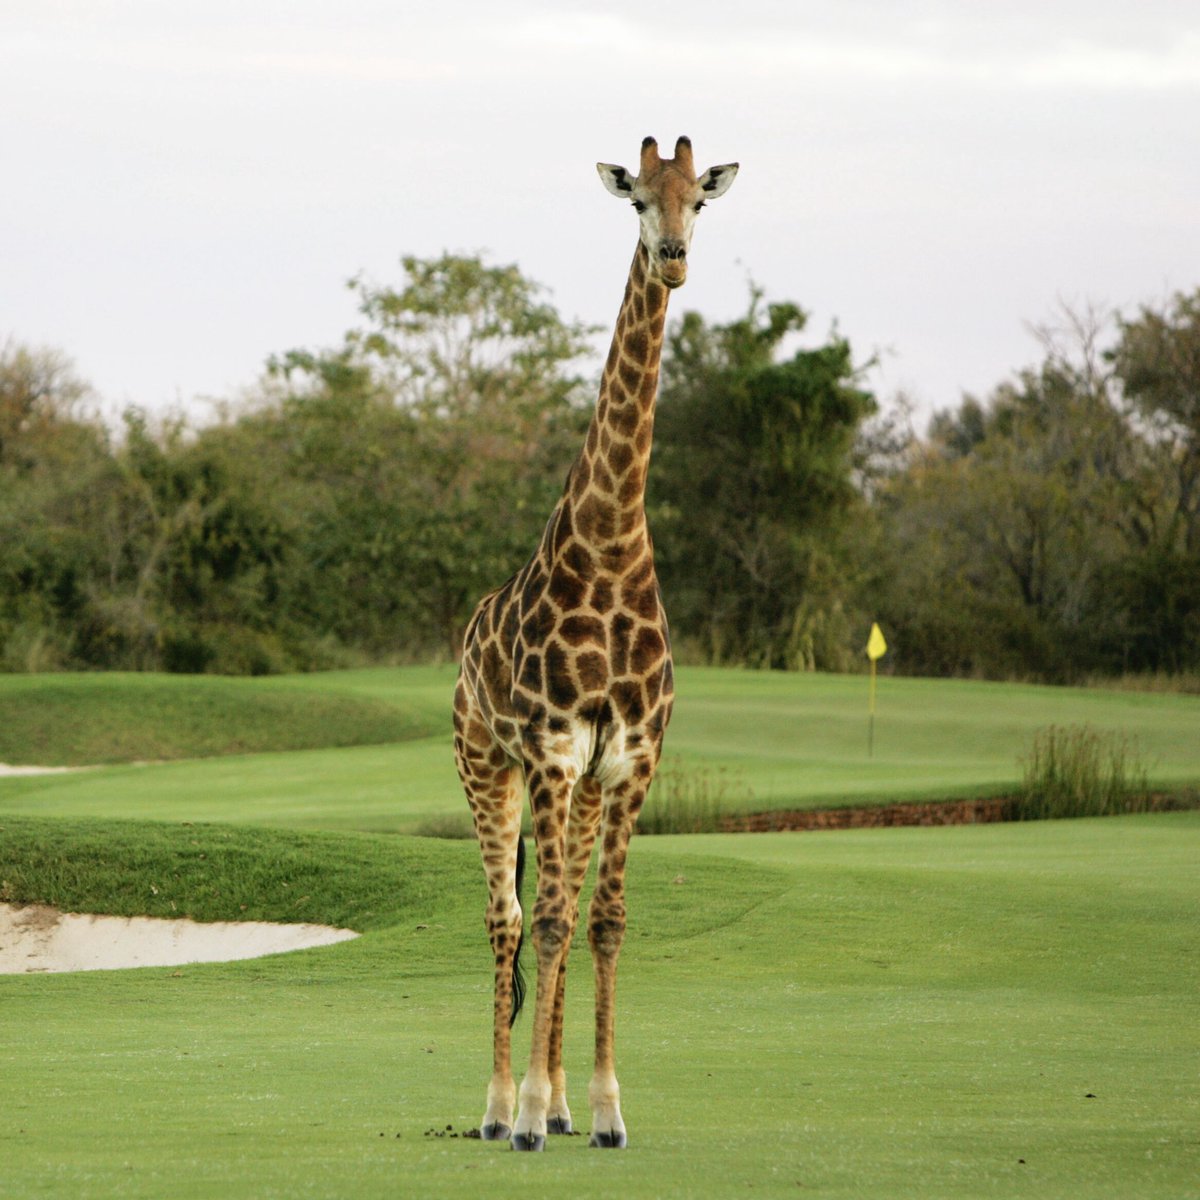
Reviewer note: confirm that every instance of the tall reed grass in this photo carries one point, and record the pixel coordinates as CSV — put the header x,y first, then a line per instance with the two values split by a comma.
x,y
692,799
682,799
1077,771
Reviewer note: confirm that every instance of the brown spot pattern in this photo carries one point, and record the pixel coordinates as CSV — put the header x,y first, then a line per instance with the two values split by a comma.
x,y
574,643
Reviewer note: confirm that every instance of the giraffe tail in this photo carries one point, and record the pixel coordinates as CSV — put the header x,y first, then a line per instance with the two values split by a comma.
x,y
518,979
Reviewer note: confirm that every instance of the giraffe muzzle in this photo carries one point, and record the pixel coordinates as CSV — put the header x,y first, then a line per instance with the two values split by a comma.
x,y
672,262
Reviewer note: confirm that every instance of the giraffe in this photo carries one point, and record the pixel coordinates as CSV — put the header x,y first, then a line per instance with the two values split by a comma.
x,y
566,687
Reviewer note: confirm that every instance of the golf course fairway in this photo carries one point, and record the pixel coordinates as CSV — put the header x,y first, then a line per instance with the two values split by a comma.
x,y
1003,1010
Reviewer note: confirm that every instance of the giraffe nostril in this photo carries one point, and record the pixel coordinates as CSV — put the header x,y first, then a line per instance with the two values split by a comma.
x,y
669,251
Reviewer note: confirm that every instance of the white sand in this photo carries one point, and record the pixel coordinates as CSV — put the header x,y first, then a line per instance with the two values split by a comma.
x,y
37,938
5,769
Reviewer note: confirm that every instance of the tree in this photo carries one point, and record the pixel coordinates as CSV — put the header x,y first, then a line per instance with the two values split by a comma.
x,y
752,488
204,554
40,394
1043,533
455,416
1157,363
1157,360
999,530
359,507
56,485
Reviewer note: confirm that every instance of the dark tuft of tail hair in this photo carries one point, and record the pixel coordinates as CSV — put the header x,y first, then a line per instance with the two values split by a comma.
x,y
518,978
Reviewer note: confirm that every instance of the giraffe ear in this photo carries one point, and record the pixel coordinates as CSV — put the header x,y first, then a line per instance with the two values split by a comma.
x,y
616,179
716,180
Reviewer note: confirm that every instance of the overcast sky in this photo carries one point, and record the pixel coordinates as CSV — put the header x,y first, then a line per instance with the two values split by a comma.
x,y
186,185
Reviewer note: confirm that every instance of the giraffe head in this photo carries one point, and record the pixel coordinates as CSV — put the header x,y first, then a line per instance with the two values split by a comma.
x,y
667,196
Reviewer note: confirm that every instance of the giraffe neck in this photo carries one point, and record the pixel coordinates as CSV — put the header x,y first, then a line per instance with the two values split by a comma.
x,y
607,485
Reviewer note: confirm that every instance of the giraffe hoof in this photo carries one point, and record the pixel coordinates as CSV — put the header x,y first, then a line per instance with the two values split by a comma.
x,y
528,1141
559,1125
495,1133
608,1141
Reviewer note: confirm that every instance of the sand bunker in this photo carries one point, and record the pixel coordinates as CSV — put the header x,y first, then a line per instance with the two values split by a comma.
x,y
5,770
37,938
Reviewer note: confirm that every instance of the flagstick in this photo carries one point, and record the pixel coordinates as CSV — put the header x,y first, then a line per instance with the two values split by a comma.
x,y
871,718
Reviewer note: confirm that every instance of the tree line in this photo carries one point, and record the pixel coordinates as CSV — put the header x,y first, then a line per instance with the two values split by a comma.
x,y
354,507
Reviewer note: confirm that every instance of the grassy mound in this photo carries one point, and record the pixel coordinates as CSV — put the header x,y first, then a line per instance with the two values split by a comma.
x,y
357,881
75,720
215,873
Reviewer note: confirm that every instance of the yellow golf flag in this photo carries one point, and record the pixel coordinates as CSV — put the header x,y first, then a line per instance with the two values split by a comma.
x,y
876,646
876,649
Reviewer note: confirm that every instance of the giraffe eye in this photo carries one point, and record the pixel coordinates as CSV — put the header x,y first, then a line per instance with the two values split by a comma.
x,y
637,204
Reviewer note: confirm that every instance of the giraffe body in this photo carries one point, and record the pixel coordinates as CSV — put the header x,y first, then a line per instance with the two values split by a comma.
x,y
566,685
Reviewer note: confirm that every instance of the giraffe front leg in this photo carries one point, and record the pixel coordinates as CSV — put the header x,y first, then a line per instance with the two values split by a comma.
x,y
582,825
606,932
549,791
558,1115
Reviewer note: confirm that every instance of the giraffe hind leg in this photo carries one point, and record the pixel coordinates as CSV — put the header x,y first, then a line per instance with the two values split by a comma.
x,y
500,1130
518,976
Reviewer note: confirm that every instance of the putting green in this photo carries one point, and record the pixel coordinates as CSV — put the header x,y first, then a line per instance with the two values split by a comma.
x,y
988,1011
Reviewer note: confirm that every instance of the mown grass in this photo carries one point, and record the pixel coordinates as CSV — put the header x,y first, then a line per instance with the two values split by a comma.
x,y
989,1011
74,720
779,741
1000,1011
221,873
801,740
